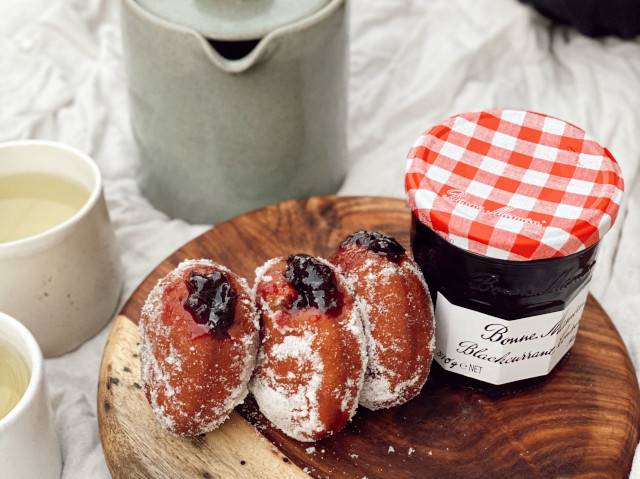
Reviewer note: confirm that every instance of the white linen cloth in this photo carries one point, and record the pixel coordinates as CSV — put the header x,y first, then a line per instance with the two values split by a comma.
x,y
413,62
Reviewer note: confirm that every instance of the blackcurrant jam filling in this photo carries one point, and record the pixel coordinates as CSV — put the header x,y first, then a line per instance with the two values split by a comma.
x,y
211,301
315,283
375,242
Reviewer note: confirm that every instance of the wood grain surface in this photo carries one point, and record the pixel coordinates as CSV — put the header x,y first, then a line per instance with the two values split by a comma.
x,y
581,421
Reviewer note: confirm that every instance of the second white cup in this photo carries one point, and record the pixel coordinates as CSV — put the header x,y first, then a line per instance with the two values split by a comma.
x,y
29,447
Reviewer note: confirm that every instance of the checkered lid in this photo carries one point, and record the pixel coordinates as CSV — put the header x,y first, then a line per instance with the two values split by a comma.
x,y
514,185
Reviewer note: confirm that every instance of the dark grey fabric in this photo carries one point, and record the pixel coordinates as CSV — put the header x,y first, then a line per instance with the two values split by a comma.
x,y
594,17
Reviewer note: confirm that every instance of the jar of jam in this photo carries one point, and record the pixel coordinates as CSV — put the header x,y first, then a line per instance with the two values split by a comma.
x,y
508,209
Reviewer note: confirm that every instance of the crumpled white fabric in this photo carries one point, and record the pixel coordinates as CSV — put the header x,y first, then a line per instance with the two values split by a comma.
x,y
413,63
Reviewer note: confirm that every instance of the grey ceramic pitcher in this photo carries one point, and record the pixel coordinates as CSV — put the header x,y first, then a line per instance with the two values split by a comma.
x,y
236,103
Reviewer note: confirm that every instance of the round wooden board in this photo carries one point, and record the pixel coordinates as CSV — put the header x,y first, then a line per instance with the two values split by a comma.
x,y
580,422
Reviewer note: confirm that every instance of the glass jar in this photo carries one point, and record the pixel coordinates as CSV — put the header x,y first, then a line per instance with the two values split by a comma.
x,y
508,210
502,291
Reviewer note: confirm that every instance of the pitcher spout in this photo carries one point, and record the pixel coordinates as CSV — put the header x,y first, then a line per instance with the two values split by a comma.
x,y
234,56
238,56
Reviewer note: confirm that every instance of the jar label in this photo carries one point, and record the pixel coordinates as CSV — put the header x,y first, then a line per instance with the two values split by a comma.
x,y
497,351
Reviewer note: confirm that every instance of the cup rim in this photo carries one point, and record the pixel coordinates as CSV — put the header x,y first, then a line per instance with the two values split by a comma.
x,y
35,355
82,212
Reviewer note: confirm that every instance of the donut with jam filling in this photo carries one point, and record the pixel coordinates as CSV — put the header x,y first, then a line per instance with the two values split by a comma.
x,y
200,337
312,357
399,323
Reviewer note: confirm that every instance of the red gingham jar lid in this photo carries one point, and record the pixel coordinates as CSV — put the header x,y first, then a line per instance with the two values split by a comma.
x,y
513,185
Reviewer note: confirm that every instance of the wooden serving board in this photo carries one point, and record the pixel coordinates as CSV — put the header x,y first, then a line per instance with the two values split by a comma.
x,y
582,421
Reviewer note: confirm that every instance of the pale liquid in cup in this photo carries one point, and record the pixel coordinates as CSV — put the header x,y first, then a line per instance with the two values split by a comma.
x,y
14,377
31,203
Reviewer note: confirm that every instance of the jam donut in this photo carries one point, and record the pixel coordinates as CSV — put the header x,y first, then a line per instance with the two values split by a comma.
x,y
200,338
313,357
399,323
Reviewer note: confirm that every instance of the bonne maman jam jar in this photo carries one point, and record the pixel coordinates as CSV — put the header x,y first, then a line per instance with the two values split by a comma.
x,y
508,209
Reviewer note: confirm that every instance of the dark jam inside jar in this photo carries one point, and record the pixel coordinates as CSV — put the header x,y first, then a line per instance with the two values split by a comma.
x,y
505,289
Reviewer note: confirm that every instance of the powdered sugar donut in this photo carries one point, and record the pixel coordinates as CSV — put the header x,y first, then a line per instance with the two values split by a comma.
x,y
313,357
200,337
399,323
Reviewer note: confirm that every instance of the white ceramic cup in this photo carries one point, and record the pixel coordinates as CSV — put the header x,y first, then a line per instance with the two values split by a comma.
x,y
63,284
28,444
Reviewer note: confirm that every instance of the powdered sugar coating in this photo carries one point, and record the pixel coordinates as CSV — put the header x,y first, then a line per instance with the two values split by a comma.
x,y
399,325
192,380
290,384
